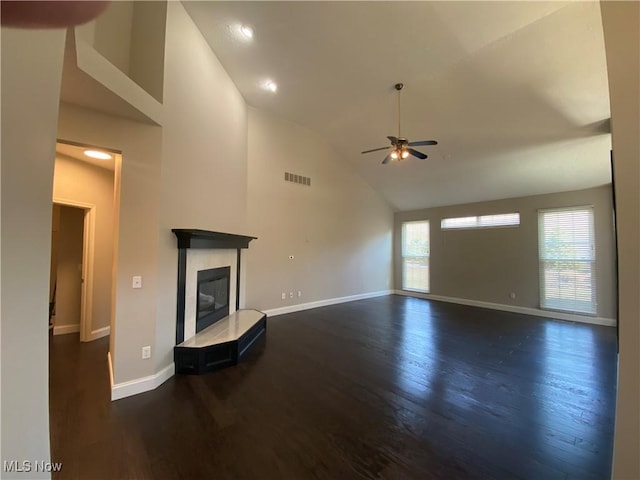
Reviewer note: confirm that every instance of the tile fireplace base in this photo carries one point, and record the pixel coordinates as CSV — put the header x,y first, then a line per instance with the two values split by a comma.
x,y
222,344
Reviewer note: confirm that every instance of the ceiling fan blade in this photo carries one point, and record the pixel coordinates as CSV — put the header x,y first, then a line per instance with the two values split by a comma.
x,y
422,142
416,153
386,159
393,140
376,149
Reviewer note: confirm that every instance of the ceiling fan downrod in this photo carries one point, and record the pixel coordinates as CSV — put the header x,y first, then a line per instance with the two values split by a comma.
x,y
398,87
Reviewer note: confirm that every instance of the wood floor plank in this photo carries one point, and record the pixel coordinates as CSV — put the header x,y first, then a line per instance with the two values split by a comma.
x,y
389,387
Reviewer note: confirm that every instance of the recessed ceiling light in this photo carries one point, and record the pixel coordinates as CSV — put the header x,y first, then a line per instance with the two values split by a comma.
x,y
97,154
246,30
241,32
270,85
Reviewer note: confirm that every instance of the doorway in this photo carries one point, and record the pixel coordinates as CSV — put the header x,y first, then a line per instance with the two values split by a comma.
x,y
84,220
71,277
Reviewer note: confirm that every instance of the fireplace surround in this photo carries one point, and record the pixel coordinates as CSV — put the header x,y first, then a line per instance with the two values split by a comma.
x,y
211,332
193,239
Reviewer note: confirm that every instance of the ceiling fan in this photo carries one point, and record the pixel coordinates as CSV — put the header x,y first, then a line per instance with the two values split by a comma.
x,y
402,146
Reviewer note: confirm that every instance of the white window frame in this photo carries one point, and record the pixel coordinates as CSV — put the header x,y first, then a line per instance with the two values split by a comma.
x,y
410,259
501,220
555,267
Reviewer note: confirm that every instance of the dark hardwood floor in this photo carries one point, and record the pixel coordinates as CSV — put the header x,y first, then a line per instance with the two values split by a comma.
x,y
390,387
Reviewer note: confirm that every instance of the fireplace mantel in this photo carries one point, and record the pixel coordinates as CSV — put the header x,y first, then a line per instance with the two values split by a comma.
x,y
193,238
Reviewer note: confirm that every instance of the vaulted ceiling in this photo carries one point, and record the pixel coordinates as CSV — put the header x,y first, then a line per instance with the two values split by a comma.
x,y
515,93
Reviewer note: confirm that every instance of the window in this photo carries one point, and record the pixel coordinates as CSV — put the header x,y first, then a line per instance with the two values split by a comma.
x,y
484,221
415,256
567,260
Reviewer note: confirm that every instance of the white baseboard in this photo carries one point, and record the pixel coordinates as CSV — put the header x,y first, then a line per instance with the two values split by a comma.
x,y
64,329
99,333
75,328
323,303
139,385
569,317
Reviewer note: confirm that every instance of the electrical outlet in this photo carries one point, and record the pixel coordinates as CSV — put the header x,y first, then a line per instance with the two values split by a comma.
x,y
146,352
299,293
512,295
284,296
290,294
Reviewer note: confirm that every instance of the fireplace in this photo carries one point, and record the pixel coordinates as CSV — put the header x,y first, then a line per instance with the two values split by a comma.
x,y
213,296
211,330
201,250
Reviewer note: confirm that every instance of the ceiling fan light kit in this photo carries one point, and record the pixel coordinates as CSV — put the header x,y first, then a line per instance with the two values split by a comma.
x,y
402,146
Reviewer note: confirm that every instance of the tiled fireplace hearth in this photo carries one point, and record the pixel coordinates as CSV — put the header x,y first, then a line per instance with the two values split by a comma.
x,y
211,330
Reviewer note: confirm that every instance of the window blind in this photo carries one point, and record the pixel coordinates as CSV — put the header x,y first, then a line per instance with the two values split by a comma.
x,y
415,256
567,260
483,221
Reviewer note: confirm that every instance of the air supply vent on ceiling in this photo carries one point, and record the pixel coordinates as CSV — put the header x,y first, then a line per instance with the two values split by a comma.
x,y
294,178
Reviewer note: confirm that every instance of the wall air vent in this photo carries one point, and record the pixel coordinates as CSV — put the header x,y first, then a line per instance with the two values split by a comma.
x,y
294,178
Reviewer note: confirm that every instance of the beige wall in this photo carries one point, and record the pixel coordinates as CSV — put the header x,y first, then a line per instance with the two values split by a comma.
x,y
204,163
31,70
31,74
488,264
85,183
135,310
147,46
69,267
112,34
130,36
621,22
338,229
55,226
202,183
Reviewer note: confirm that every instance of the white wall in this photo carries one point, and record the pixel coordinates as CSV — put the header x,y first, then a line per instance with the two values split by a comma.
x,y
31,74
621,22
338,229
82,182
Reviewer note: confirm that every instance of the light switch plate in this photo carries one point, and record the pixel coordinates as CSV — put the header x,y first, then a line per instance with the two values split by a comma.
x,y
137,282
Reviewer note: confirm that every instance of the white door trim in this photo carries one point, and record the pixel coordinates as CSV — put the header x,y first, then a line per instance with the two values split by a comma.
x,y
86,296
